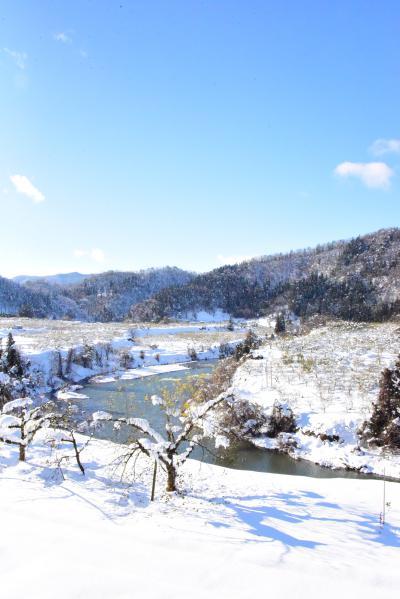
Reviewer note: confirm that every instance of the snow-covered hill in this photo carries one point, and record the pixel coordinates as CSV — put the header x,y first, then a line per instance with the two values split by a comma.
x,y
105,297
355,280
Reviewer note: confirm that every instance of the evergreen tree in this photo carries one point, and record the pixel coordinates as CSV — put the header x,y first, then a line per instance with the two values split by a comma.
x,y
13,362
280,325
384,425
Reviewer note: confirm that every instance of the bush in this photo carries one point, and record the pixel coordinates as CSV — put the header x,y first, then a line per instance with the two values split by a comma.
x,y
225,350
126,360
192,353
250,342
281,420
241,419
86,357
230,326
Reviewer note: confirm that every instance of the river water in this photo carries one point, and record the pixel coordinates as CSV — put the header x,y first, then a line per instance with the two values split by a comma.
x,y
130,398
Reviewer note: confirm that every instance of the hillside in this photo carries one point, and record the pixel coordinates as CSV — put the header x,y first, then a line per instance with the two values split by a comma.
x,y
22,300
109,296
356,280
104,297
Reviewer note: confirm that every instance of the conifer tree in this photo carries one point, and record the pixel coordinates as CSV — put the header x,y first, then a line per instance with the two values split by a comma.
x,y
384,425
13,362
280,325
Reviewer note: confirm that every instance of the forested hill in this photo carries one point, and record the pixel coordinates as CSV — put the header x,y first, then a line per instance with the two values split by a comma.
x,y
110,295
44,301
104,297
358,280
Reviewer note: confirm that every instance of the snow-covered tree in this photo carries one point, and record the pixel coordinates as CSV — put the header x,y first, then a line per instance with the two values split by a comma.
x,y
186,424
10,359
383,428
20,420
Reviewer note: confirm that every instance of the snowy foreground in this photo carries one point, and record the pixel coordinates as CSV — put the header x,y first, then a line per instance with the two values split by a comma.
x,y
232,534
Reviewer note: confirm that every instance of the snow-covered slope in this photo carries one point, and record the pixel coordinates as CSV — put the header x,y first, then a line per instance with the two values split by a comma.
x,y
329,379
232,535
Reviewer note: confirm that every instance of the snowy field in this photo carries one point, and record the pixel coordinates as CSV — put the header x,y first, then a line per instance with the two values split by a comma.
x,y
34,335
116,347
233,534
329,378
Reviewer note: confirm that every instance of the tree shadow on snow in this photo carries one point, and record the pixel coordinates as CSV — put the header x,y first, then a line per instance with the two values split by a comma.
x,y
261,515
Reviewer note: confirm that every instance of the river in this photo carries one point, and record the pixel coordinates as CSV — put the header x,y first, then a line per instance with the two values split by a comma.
x,y
129,398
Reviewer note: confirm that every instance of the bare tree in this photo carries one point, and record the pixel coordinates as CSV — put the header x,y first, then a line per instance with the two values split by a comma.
x,y
183,430
19,423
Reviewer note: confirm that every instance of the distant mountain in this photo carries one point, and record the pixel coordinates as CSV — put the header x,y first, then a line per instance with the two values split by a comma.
x,y
358,280
69,278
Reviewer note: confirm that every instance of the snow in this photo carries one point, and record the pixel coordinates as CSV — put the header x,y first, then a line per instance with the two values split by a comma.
x,y
233,534
70,395
151,349
329,378
21,402
204,316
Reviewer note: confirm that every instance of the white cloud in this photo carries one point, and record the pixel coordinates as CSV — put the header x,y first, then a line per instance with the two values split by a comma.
x,y
372,174
19,58
95,254
62,37
24,186
232,259
385,146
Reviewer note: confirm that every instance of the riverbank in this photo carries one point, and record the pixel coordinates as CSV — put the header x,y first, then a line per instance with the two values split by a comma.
x,y
329,379
59,352
233,534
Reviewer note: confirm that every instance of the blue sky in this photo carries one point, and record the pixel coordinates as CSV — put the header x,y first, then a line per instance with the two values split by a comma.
x,y
192,133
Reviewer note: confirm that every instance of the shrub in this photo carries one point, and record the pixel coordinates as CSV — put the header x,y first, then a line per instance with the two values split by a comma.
x,y
230,326
225,350
241,419
126,360
250,342
192,353
281,420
